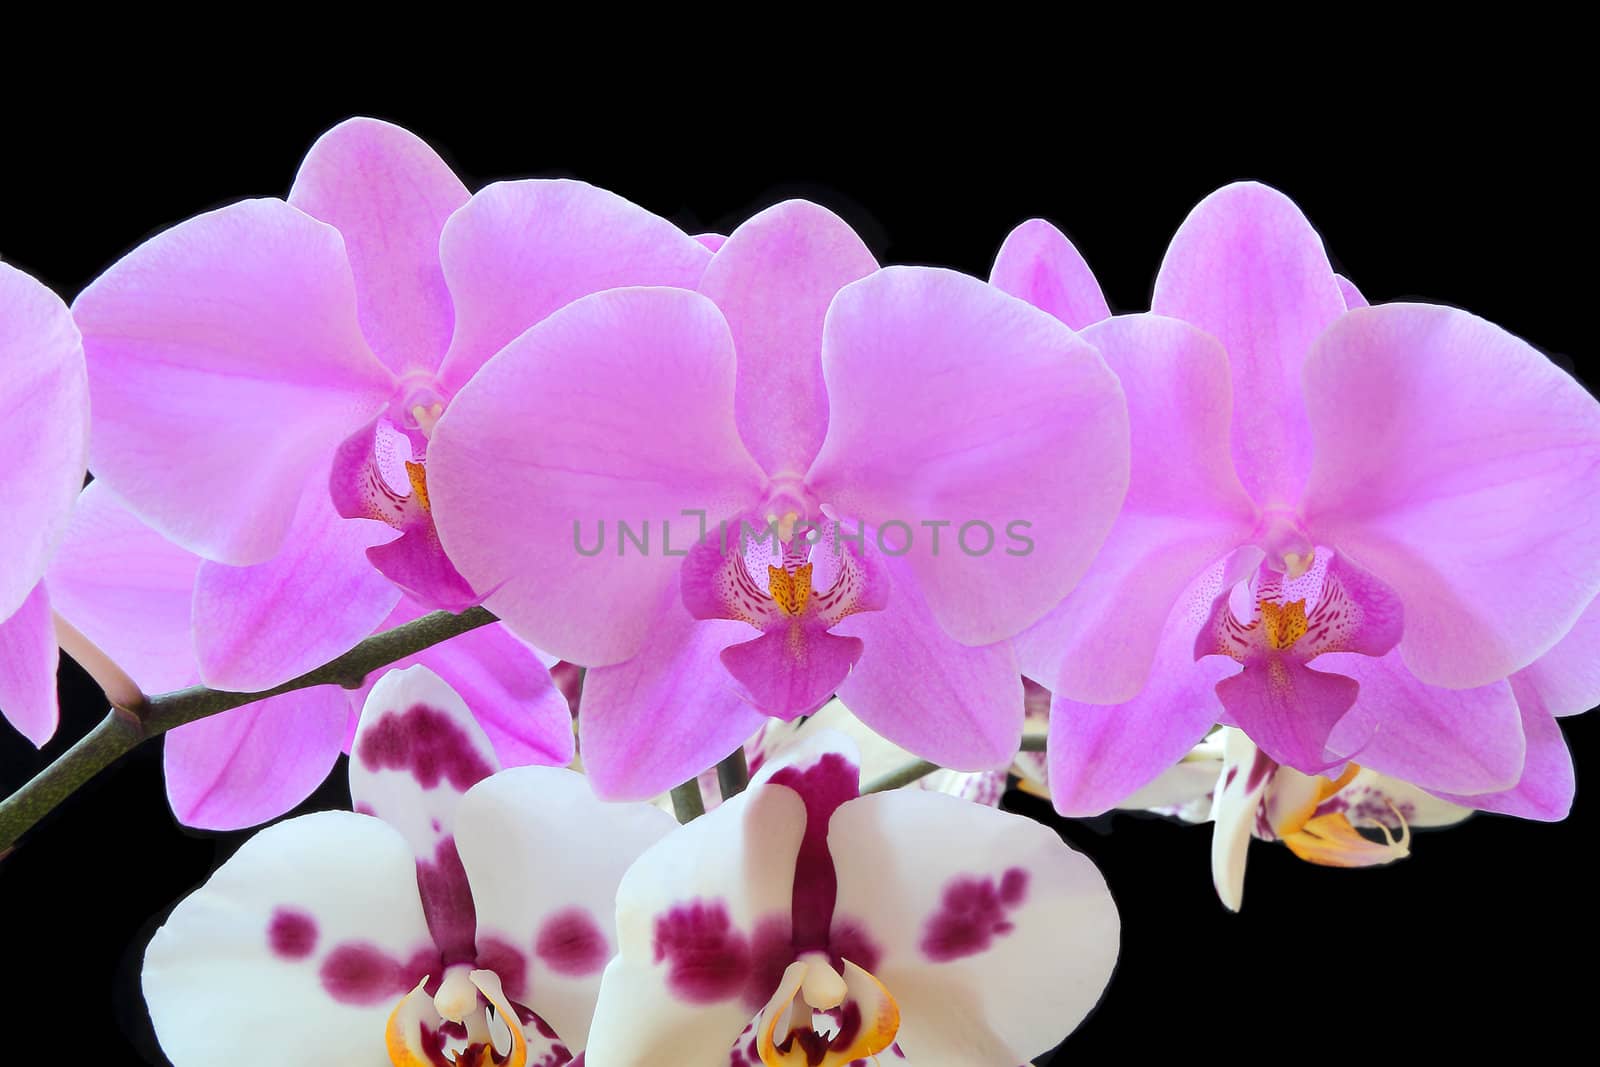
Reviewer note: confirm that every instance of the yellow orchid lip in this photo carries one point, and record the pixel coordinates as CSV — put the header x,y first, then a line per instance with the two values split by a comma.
x,y
866,1016
412,1035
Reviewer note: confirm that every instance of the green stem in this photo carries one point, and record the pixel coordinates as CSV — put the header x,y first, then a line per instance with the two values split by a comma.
x,y
687,802
733,774
127,728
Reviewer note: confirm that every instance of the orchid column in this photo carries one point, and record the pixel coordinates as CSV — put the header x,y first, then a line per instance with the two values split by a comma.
x,y
937,463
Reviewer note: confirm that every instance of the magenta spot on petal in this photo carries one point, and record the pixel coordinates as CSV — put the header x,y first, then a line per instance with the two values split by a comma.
x,y
824,785
707,957
426,742
771,952
572,943
973,913
292,934
447,902
507,961
849,941
362,974
366,809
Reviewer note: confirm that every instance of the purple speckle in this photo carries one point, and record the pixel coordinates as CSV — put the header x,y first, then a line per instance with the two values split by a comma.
x,y
507,961
571,943
824,786
426,742
707,957
361,974
972,914
292,934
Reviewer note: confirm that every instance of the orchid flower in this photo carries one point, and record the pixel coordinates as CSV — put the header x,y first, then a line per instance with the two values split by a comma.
x,y
802,924
131,595
854,416
464,917
266,377
1360,521
44,438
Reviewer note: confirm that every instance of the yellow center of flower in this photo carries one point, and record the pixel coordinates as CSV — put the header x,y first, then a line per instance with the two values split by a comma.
x,y
790,590
1331,839
1283,624
413,1034
417,475
863,1018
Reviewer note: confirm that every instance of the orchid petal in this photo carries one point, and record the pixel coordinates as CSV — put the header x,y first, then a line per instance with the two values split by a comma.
x,y
295,951
1545,790
773,281
46,396
520,250
952,402
545,887
1037,263
1185,509
994,937
1489,530
1567,678
632,390
1247,268
389,195
1352,295
1246,771
28,659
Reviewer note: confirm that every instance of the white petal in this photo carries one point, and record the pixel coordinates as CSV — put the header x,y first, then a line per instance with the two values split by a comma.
x,y
295,951
1238,799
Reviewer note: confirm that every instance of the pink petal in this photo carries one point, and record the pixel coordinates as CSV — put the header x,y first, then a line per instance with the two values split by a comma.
x,y
1247,268
956,705
1289,709
389,195
28,669
226,364
662,717
45,392
255,627
713,241
254,763
1099,754
791,670
1447,740
1461,467
520,250
773,281
1185,509
1352,295
1038,264
511,694
1566,679
128,590
952,402
632,394
1545,790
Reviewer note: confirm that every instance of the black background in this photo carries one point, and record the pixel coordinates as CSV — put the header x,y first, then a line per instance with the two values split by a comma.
x,y
1485,935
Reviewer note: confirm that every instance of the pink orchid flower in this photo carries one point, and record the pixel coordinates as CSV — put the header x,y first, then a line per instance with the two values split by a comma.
x,y
1405,494
855,415
802,925
44,438
266,377
465,916
131,593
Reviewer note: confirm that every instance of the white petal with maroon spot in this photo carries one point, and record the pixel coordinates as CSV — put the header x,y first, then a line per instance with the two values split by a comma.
x,y
295,951
544,857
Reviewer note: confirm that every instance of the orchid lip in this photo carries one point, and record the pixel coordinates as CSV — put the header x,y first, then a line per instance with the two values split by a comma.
x,y
468,1023
820,1017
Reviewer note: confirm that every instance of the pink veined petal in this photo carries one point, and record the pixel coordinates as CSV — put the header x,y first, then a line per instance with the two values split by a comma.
x,y
698,915
44,389
660,718
254,763
509,689
28,660
1289,709
389,195
953,402
226,363
1446,740
791,671
1463,469
1247,268
1352,295
1545,790
128,590
1100,754
632,391
1038,264
956,705
1567,678
520,250
544,858
1185,509
773,281
416,752
295,951
257,626
995,938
